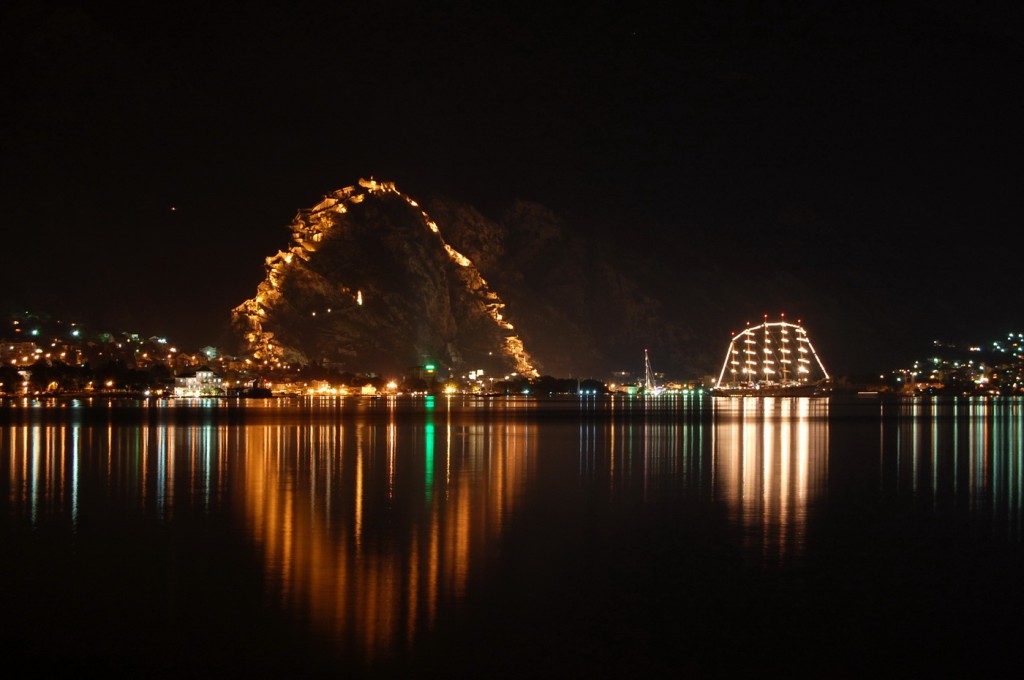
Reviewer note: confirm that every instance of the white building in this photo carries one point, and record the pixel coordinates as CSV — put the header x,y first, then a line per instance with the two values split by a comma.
x,y
200,382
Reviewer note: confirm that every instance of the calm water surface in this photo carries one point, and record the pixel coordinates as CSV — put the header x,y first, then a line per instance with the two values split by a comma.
x,y
684,537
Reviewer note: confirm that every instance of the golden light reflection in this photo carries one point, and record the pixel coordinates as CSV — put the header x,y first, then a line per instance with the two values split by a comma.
x,y
771,465
367,520
359,527
366,525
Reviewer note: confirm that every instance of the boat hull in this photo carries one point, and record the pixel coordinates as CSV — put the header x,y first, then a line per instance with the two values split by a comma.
x,y
771,391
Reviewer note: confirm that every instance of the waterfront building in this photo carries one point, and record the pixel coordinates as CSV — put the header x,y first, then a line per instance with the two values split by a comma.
x,y
198,382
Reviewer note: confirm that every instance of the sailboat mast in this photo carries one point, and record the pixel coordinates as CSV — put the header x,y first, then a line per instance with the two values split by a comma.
x,y
648,373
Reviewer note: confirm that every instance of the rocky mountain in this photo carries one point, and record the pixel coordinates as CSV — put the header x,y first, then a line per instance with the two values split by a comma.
x,y
369,284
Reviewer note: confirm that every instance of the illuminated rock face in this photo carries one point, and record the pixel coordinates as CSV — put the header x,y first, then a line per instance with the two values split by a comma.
x,y
368,283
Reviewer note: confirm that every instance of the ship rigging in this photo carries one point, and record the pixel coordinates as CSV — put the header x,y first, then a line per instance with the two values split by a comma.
x,y
650,383
774,357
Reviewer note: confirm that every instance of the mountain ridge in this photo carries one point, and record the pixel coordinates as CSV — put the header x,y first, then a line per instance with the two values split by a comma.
x,y
389,291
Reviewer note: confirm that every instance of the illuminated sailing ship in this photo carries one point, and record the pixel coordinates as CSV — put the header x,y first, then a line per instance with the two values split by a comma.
x,y
775,358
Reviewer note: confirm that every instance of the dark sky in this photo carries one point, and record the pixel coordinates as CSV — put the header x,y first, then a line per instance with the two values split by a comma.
x,y
897,124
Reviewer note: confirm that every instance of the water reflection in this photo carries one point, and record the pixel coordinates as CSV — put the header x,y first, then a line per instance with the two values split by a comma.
x,y
951,454
652,448
366,526
771,466
764,460
368,517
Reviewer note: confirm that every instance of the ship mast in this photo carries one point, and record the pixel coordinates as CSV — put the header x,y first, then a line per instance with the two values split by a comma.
x,y
784,352
751,361
648,374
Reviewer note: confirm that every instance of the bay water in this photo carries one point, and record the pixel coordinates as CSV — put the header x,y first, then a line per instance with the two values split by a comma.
x,y
685,536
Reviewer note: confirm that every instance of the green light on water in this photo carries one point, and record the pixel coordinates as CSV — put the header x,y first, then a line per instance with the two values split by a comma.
x,y
428,461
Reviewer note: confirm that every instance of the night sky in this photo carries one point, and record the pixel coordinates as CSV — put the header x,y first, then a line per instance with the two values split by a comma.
x,y
151,159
